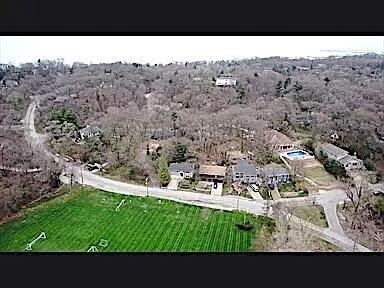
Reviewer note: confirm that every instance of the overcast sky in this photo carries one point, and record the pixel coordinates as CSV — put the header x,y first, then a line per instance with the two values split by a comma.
x,y
165,49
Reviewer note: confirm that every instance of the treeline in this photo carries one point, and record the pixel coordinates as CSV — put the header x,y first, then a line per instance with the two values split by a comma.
x,y
132,102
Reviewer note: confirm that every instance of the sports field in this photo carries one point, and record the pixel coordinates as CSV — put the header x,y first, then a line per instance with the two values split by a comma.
x,y
80,219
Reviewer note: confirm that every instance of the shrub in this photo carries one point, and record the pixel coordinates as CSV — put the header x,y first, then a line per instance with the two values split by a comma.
x,y
64,115
164,176
310,145
369,165
246,226
334,168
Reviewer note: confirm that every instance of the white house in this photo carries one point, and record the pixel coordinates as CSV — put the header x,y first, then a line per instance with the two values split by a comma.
x,y
226,80
341,156
184,170
89,132
334,136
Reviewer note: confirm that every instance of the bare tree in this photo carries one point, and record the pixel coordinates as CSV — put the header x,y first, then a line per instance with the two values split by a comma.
x,y
355,191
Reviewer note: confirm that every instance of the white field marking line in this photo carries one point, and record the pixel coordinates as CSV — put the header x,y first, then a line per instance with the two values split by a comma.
x,y
93,249
103,243
121,203
41,236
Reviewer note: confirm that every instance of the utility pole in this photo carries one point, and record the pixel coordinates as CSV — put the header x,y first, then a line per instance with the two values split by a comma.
x,y
2,153
146,184
71,180
81,173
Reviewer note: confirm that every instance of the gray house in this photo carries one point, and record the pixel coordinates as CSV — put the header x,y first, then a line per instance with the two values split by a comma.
x,y
274,175
333,152
341,156
245,172
184,170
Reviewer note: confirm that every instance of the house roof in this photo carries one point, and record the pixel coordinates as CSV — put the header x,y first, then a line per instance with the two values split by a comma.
x,y
212,170
243,166
274,171
90,129
275,137
332,149
348,158
185,167
225,76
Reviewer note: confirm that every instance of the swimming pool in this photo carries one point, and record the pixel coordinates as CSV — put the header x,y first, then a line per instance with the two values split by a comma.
x,y
297,155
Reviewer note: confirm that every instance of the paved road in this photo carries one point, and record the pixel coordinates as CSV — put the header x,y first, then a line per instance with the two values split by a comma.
x,y
18,170
227,202
12,127
331,236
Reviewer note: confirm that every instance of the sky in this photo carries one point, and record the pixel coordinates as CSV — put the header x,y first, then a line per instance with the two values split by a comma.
x,y
166,49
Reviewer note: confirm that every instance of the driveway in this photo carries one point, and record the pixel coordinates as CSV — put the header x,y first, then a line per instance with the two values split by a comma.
x,y
174,183
254,195
218,191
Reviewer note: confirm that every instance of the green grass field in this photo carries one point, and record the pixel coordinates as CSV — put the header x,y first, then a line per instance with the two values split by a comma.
x,y
75,221
319,176
313,214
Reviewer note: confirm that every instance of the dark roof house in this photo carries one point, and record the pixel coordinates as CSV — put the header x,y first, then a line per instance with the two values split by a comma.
x,y
275,171
177,167
244,171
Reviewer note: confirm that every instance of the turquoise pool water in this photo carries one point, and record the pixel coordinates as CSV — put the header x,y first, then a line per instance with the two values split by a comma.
x,y
297,154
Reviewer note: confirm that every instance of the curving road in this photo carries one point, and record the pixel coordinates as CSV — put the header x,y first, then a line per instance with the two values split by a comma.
x,y
18,170
329,199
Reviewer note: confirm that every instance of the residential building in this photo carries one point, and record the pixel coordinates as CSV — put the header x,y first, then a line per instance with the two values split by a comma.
x,y
277,141
245,172
334,136
184,170
89,132
274,175
341,156
212,173
299,68
351,163
226,80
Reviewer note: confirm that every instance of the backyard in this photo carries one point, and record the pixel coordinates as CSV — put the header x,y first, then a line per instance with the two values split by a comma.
x,y
80,219
320,176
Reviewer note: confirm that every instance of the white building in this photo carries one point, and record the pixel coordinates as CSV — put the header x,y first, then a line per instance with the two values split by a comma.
x,y
226,80
184,170
89,132
341,156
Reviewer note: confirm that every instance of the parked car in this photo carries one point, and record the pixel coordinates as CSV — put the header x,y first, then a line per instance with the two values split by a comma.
x,y
378,192
254,188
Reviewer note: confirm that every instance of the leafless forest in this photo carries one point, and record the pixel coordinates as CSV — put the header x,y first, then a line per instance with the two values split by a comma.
x,y
133,102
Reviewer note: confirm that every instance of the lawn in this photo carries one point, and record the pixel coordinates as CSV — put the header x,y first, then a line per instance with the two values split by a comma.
x,y
297,189
319,176
188,185
313,214
75,221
